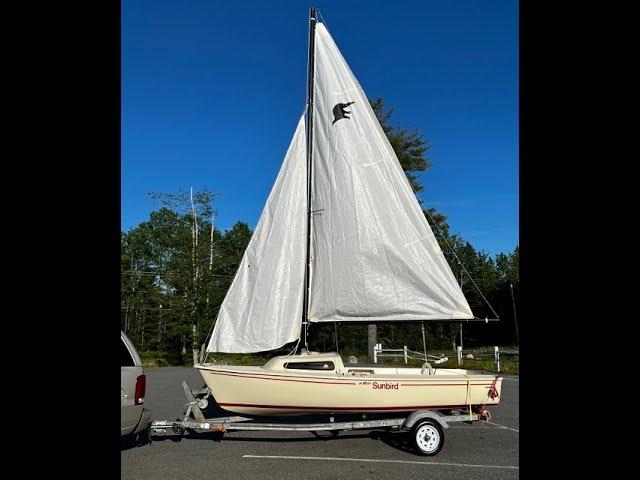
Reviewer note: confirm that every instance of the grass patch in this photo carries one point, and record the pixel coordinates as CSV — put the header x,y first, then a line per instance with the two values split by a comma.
x,y
153,358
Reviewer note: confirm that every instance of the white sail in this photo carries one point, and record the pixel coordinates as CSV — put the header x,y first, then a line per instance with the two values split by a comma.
x,y
374,256
263,307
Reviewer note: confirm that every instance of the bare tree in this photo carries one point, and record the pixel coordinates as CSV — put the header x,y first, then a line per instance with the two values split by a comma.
x,y
192,205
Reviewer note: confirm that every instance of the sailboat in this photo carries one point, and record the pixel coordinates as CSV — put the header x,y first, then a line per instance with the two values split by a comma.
x,y
342,238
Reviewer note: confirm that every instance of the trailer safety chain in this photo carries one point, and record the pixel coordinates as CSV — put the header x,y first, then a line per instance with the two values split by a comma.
x,y
493,391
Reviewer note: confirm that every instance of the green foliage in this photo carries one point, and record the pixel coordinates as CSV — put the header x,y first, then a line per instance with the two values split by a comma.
x,y
439,226
171,285
409,146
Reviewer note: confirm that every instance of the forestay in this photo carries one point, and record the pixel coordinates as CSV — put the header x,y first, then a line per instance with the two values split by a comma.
x,y
263,307
374,256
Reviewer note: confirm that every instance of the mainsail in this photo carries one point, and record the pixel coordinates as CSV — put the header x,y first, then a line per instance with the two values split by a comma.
x,y
263,307
374,256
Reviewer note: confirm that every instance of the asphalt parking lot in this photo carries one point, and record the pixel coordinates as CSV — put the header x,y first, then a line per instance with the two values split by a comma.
x,y
479,451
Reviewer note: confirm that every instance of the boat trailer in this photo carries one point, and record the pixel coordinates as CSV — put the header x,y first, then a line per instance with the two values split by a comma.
x,y
425,426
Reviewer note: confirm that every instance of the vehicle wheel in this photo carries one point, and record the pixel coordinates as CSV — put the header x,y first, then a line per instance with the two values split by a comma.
x,y
428,437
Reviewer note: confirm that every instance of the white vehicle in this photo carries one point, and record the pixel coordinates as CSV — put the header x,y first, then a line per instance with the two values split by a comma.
x,y
134,418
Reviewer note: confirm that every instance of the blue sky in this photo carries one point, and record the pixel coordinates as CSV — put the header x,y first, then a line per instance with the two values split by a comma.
x,y
212,91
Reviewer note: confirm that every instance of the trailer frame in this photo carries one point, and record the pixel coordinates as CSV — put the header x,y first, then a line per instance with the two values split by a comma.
x,y
197,400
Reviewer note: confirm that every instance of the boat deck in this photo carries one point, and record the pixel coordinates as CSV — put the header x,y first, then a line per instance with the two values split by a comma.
x,y
370,371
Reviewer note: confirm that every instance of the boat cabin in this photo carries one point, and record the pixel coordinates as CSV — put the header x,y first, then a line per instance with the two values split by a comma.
x,y
313,362
331,363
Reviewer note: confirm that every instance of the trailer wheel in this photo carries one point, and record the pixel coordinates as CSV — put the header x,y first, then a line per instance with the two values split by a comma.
x,y
428,437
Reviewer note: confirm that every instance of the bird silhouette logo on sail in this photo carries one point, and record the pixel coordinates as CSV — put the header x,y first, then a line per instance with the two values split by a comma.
x,y
339,111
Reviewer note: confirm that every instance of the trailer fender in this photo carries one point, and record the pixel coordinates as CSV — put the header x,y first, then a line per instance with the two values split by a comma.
x,y
411,420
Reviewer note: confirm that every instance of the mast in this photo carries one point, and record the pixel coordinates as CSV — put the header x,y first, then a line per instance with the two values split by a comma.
x,y
310,75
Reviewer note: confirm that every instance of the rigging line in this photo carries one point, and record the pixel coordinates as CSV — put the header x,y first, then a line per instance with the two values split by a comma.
x,y
324,22
515,319
295,348
213,324
424,342
335,326
460,262
208,337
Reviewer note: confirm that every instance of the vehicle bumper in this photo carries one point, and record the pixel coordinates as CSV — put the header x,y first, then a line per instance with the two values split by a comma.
x,y
145,421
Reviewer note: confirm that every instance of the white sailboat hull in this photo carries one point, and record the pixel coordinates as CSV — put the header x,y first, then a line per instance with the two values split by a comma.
x,y
267,391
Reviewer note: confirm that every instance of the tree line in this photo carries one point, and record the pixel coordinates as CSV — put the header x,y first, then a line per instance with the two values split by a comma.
x,y
177,266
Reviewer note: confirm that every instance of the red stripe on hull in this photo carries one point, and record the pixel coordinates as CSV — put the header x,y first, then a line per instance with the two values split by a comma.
x,y
281,379
344,382
341,409
443,384
249,375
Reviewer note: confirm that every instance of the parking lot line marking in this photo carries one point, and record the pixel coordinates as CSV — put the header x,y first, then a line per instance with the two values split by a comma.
x,y
502,426
471,428
377,460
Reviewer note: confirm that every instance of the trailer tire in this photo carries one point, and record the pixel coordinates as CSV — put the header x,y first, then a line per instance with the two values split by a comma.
x,y
427,437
